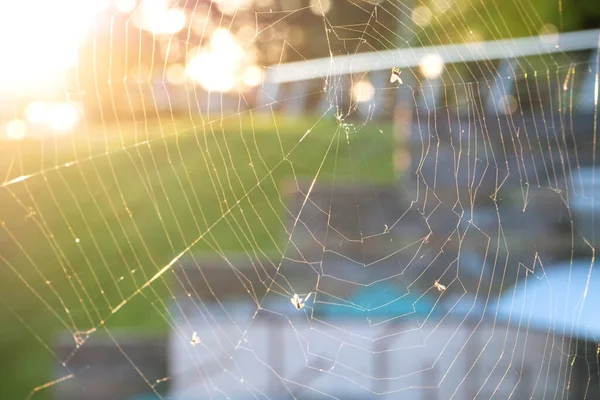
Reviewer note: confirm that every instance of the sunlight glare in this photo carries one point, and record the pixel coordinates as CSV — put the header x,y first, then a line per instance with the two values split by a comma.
x,y
432,66
156,16
36,112
63,117
216,68
38,46
60,117
214,73
16,129
224,44
253,76
125,6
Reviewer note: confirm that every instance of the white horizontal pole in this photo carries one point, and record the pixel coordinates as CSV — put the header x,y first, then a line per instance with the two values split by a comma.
x,y
411,57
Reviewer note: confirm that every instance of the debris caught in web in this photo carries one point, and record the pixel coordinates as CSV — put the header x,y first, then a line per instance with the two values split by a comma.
x,y
32,213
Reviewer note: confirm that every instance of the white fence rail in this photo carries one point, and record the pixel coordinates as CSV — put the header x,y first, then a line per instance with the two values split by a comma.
x,y
297,76
411,57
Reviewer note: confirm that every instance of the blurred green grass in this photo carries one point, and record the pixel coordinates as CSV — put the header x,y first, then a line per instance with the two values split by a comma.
x,y
77,240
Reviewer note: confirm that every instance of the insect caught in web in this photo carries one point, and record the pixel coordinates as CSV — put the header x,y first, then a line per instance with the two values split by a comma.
x,y
298,302
395,76
195,339
439,286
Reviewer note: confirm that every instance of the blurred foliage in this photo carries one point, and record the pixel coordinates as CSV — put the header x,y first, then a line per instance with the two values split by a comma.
x,y
51,282
499,19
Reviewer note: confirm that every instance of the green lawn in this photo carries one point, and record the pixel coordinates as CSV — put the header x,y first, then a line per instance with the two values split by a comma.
x,y
75,241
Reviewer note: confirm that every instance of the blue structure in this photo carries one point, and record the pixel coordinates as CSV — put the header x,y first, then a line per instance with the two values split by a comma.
x,y
564,300
381,300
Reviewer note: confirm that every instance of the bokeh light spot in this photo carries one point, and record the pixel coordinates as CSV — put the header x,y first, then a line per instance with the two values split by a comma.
x,y
421,16
432,66
16,129
363,91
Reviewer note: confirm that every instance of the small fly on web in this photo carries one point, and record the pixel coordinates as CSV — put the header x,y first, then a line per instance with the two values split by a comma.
x,y
439,286
298,302
395,76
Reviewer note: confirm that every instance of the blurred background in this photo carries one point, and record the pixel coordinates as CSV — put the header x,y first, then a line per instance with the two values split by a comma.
x,y
279,199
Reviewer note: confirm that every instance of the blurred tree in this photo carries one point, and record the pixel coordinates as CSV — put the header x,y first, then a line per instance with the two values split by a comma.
x,y
350,26
498,19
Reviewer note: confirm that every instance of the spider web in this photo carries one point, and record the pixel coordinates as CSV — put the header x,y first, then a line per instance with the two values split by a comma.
x,y
191,170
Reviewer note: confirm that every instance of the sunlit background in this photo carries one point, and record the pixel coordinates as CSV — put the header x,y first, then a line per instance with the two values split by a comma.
x,y
140,138
39,50
47,47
